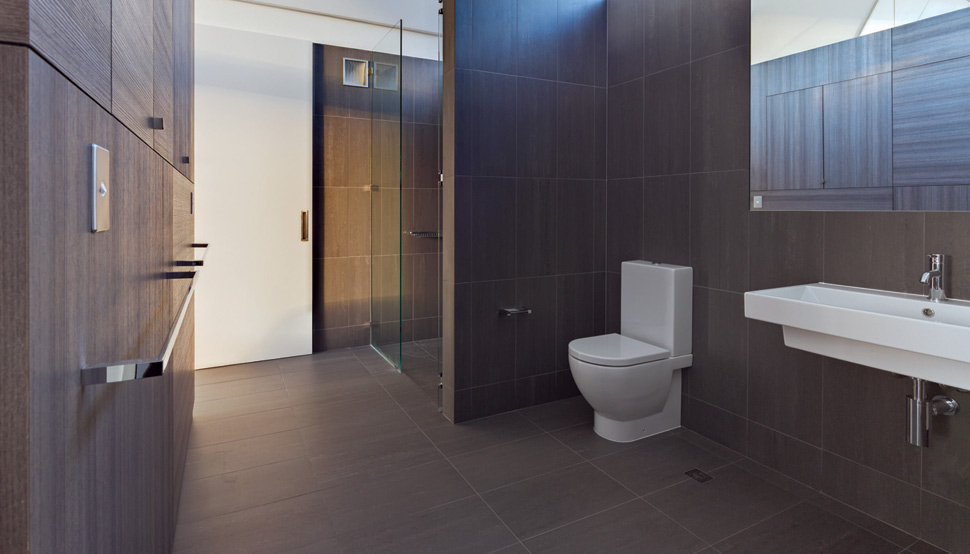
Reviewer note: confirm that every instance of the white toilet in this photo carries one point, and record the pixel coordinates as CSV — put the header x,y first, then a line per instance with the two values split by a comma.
x,y
632,380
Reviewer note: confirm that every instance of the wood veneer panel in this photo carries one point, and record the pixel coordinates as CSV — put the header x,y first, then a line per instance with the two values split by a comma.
x,y
794,131
101,455
936,39
932,199
132,65
931,124
164,87
183,21
850,199
14,21
182,373
75,35
14,325
858,132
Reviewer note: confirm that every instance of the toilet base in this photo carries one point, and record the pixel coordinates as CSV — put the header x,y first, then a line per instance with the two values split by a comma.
x,y
636,429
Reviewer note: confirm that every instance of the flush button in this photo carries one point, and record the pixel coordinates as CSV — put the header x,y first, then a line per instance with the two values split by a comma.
x,y
757,202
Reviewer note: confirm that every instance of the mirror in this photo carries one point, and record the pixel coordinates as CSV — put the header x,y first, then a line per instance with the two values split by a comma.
x,y
860,105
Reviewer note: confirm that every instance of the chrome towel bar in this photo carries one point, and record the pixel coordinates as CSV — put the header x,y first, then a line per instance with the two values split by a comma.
x,y
514,311
424,234
130,370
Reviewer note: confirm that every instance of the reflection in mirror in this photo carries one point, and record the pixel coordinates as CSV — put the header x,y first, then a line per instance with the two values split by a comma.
x,y
865,110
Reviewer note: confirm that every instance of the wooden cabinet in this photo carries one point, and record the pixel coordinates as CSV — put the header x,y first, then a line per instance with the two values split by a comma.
x,y
184,33
794,128
858,133
132,65
164,82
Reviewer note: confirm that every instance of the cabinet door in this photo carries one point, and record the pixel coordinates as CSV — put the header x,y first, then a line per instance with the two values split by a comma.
x,y
132,65
184,33
164,109
858,133
794,132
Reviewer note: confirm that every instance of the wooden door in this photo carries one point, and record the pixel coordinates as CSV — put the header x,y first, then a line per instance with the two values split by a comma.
x,y
164,89
132,65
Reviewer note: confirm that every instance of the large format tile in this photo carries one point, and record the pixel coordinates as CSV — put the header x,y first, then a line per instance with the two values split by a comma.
x,y
803,529
581,226
274,527
241,387
557,415
493,122
625,130
535,227
884,497
718,26
719,375
231,407
583,440
950,233
577,116
732,501
226,457
869,523
222,374
624,222
666,219
666,122
946,471
719,230
492,234
633,528
945,524
720,108
666,29
714,423
582,42
363,501
787,247
231,492
467,526
555,499
880,250
334,461
513,462
625,40
453,440
536,123
657,463
216,431
799,460
576,295
535,335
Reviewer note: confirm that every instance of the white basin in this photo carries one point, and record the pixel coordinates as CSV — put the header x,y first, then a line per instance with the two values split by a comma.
x,y
880,329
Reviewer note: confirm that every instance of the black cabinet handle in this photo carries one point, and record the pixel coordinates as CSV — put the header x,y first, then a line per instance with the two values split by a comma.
x,y
156,123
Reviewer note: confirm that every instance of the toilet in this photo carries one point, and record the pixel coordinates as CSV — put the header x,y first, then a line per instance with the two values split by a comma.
x,y
632,379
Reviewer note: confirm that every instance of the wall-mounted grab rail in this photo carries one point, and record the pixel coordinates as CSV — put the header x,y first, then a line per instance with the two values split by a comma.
x,y
130,370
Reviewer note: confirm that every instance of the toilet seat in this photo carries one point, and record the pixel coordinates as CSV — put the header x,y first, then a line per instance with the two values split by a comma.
x,y
615,350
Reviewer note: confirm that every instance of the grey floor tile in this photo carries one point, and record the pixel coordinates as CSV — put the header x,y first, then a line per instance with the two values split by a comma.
x,y
275,527
657,463
734,500
353,412
555,499
232,407
300,363
924,548
333,462
585,442
355,389
878,528
230,492
513,549
325,373
364,500
327,546
775,478
464,527
217,431
240,387
706,443
803,529
560,414
222,374
631,528
226,457
481,433
514,461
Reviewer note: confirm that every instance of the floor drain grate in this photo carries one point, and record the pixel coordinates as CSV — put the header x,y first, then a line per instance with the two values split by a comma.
x,y
698,475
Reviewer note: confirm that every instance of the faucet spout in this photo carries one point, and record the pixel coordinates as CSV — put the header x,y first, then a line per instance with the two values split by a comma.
x,y
925,279
935,278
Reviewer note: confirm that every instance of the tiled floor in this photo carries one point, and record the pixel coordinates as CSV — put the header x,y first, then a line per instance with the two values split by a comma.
x,y
420,361
337,452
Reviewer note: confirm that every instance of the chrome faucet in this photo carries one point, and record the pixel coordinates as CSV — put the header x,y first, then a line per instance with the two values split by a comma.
x,y
935,278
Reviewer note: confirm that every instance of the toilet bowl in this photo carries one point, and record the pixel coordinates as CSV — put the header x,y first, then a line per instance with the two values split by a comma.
x,y
632,379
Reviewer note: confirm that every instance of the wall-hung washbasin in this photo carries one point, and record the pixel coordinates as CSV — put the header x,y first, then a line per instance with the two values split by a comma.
x,y
902,333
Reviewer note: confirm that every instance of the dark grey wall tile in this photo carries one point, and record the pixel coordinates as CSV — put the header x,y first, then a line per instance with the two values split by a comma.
x,y
719,374
537,38
493,399
535,333
461,37
425,152
340,100
576,308
535,220
493,336
949,233
581,226
784,384
461,96
719,230
493,237
599,130
427,277
566,385
716,424
582,42
786,248
346,152
576,135
876,436
666,35
875,493
666,219
493,130
613,281
624,222
625,130
425,86
945,467
463,209
719,25
532,391
666,122
464,336
880,250
599,303
945,524
720,108
801,461
493,30
625,40
536,127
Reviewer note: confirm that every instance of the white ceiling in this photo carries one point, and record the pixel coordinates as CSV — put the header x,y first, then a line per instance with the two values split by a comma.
x,y
783,27
419,15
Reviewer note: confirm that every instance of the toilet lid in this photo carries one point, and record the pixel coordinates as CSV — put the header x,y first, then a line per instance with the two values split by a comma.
x,y
615,350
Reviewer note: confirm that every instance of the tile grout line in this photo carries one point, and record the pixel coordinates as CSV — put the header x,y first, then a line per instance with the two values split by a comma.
x,y
406,414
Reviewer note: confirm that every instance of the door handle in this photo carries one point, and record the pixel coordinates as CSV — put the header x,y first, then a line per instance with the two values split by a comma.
x,y
305,226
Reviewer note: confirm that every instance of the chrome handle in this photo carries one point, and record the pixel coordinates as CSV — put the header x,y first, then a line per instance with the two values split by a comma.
x,y
130,370
424,234
514,311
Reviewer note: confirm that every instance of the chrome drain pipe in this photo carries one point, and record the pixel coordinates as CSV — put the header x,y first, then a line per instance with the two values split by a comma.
x,y
920,413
